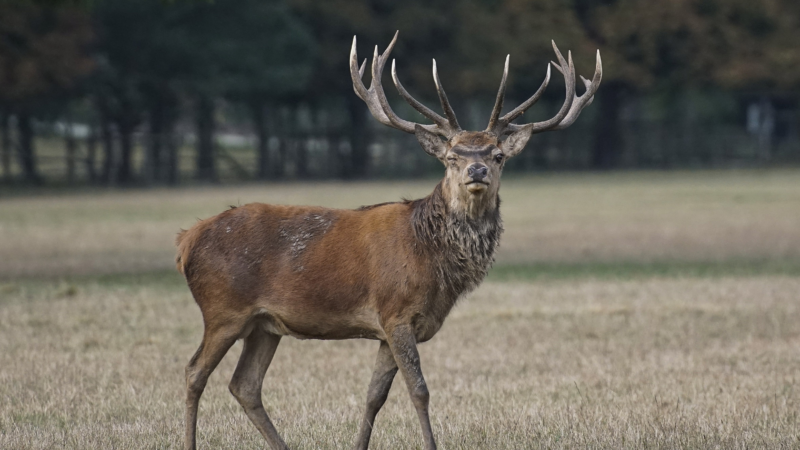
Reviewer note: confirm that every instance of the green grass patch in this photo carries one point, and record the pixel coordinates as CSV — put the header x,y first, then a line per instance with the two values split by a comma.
x,y
164,279
172,280
633,269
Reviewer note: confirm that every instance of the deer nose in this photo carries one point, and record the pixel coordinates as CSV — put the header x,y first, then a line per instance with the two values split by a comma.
x,y
477,171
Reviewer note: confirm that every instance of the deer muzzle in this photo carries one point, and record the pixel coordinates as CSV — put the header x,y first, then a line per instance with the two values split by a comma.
x,y
477,178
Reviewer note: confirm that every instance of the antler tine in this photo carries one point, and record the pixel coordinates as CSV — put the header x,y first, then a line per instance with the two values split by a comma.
x,y
375,97
501,94
361,69
519,110
424,110
567,68
367,95
371,96
448,110
378,63
357,73
587,98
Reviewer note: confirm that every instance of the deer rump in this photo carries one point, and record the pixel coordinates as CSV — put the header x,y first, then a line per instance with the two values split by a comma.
x,y
311,272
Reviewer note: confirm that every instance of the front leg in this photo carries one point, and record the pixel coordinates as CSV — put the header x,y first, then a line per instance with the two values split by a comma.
x,y
385,369
403,343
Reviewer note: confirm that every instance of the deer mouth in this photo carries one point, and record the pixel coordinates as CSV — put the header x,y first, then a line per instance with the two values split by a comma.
x,y
477,186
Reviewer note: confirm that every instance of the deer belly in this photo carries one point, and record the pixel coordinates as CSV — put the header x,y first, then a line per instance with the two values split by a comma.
x,y
317,324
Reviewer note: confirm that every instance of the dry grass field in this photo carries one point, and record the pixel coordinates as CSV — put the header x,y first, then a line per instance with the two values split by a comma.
x,y
656,310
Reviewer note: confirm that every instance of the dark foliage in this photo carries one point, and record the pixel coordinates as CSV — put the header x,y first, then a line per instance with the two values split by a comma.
x,y
148,77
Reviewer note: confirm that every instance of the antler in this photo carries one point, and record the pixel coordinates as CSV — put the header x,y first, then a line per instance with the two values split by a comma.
x,y
378,105
570,110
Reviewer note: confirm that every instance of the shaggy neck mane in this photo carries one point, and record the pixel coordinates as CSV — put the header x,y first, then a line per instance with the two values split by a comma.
x,y
462,245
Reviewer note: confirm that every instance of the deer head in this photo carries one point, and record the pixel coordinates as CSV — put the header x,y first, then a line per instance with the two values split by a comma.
x,y
474,160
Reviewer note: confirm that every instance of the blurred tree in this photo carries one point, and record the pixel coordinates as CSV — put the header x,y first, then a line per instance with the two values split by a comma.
x,y
119,105
167,57
489,30
143,50
676,45
251,51
6,147
334,23
42,54
155,53
739,44
645,45
265,57
154,59
755,54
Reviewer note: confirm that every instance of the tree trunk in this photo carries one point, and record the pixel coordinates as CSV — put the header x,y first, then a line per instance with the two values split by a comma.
x,y
27,156
109,151
171,146
766,129
163,146
278,123
91,154
299,141
262,146
300,149
5,141
109,172
204,123
169,143
608,143
125,174
155,147
358,164
71,147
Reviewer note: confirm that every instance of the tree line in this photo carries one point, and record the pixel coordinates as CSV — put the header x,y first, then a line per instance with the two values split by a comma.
x,y
124,82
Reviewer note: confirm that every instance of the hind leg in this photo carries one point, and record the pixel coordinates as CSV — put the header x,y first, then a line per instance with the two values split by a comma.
x,y
382,376
214,346
259,348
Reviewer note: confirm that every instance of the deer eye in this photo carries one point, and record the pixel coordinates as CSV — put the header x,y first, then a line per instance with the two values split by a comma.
x,y
499,157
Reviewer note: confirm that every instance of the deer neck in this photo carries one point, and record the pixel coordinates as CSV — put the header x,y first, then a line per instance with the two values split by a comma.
x,y
461,237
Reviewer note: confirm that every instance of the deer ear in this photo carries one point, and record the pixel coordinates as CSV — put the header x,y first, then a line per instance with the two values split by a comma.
x,y
516,142
430,142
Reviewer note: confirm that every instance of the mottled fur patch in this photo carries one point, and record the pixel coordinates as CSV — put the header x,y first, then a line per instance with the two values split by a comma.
x,y
300,231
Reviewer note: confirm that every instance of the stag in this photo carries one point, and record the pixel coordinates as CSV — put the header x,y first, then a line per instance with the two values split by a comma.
x,y
389,272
